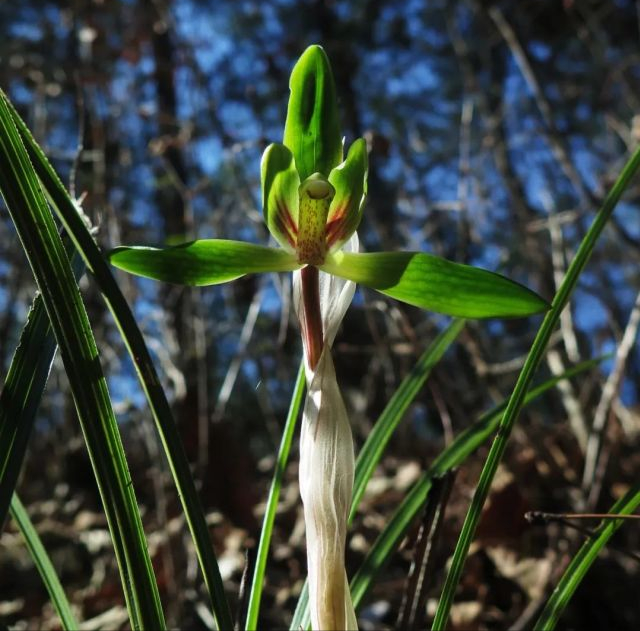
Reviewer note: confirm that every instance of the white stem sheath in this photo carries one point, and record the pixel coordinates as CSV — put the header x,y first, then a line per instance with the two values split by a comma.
x,y
326,465
326,483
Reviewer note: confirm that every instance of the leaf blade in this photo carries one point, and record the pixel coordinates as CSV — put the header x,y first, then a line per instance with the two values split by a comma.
x,y
72,219
453,456
51,268
255,594
23,388
43,564
394,411
518,394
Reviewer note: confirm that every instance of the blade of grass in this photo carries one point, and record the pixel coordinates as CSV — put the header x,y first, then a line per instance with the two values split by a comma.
x,y
71,218
23,388
378,438
583,560
393,413
518,395
43,563
50,264
453,456
272,503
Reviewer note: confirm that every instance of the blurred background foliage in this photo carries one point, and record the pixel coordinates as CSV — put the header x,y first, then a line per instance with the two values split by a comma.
x,y
494,131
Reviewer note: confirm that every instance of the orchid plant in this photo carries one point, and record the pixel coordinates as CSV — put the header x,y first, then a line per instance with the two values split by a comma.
x,y
312,200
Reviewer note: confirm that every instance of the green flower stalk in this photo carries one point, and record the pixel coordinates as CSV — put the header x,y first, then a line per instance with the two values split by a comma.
x,y
312,200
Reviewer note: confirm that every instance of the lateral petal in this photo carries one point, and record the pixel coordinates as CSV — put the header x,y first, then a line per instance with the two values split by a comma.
x,y
350,182
280,182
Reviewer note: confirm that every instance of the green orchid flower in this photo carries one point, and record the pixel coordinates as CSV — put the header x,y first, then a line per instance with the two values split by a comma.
x,y
312,204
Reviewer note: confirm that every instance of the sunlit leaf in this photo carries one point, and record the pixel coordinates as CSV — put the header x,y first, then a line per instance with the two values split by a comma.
x,y
203,262
280,182
49,262
350,181
312,129
43,563
101,273
436,284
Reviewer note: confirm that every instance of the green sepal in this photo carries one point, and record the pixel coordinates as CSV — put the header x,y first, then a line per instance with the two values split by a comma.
x,y
350,181
203,262
280,182
312,128
436,284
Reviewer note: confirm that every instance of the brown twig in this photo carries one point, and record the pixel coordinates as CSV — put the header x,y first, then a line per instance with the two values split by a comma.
x,y
413,608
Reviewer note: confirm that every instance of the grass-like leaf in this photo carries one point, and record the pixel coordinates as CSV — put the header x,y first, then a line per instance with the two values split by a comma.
x,y
255,594
583,560
436,284
132,336
454,455
23,388
50,264
44,565
203,262
393,413
518,395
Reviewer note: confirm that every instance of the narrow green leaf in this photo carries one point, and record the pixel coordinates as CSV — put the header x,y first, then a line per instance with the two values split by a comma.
x,y
584,559
70,215
453,456
393,413
44,565
301,616
280,182
312,128
350,181
203,262
433,283
255,595
45,252
519,392
23,388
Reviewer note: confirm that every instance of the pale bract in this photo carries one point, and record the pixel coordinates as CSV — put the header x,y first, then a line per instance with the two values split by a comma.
x,y
327,463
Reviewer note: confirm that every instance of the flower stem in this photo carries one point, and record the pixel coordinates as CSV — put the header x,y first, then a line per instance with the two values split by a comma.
x,y
312,327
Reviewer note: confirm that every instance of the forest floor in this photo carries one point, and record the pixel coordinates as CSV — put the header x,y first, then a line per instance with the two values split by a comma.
x,y
508,576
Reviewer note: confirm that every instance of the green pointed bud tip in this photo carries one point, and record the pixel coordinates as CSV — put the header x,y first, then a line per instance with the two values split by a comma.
x,y
312,128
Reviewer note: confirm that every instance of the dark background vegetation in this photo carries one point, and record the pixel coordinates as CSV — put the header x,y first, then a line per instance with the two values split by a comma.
x,y
495,129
